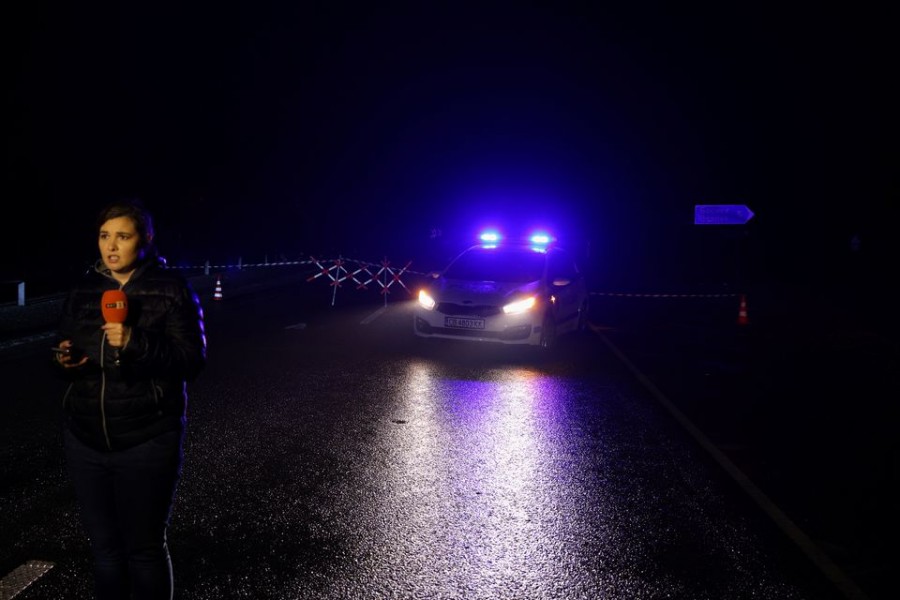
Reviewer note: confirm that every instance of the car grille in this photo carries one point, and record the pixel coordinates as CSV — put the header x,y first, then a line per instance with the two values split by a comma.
x,y
464,310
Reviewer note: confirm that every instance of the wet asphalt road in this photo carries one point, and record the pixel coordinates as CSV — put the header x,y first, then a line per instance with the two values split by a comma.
x,y
331,455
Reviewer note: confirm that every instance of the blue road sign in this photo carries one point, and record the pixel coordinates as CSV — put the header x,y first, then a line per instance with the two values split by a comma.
x,y
721,214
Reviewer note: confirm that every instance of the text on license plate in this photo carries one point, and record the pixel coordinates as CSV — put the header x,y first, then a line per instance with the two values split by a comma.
x,y
461,323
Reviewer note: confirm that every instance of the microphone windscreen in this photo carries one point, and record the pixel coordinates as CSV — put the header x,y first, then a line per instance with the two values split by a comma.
x,y
114,306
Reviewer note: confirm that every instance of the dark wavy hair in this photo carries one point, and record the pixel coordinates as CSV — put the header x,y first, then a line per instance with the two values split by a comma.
x,y
135,210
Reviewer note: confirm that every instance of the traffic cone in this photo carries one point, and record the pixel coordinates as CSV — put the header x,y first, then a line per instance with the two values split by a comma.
x,y
217,295
742,312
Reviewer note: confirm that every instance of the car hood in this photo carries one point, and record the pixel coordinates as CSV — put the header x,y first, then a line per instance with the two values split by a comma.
x,y
460,291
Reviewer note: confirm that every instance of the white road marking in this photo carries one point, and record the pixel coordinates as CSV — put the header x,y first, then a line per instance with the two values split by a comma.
x,y
373,316
21,577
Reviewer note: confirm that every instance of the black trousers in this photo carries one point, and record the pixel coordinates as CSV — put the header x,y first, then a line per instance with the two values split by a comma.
x,y
125,498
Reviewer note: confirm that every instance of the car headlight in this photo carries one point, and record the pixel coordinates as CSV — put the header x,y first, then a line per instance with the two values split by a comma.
x,y
425,300
519,306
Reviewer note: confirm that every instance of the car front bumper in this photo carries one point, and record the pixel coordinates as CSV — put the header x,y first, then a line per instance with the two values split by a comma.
x,y
504,329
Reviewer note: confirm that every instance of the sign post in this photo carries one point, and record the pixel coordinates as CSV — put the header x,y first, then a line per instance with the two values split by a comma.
x,y
726,214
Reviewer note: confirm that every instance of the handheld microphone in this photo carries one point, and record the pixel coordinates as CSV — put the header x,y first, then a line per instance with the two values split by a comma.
x,y
114,306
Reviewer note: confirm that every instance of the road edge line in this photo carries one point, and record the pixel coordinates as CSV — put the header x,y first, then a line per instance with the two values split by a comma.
x,y
828,567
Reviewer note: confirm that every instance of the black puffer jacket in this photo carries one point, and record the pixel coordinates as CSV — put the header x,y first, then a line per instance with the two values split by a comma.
x,y
119,399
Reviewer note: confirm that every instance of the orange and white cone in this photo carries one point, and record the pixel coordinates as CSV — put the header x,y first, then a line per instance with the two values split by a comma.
x,y
742,312
217,295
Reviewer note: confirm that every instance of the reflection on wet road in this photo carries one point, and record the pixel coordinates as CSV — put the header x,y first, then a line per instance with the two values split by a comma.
x,y
344,460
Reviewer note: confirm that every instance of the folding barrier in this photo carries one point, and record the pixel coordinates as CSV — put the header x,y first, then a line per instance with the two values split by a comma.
x,y
337,273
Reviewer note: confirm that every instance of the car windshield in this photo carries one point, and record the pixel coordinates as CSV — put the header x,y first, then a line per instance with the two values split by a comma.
x,y
506,265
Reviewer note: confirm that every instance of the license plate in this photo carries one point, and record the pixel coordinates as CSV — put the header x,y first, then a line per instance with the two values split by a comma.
x,y
460,323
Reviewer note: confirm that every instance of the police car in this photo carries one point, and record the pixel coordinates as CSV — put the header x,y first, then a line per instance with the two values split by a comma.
x,y
507,292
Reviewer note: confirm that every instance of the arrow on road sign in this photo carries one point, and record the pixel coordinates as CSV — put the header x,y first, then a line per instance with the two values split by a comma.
x,y
721,214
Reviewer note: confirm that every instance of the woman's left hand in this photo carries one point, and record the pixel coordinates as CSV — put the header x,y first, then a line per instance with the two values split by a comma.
x,y
117,334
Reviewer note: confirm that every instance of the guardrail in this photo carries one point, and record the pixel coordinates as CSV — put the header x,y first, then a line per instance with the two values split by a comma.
x,y
362,275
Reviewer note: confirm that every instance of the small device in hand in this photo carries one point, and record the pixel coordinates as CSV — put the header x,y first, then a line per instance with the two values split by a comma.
x,y
70,351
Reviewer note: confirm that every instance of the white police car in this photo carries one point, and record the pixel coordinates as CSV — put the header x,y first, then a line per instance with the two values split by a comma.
x,y
511,293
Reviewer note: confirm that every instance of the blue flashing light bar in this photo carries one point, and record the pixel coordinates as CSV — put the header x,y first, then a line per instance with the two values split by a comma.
x,y
538,240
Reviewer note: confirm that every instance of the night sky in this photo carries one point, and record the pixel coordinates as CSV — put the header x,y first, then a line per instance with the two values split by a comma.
x,y
286,129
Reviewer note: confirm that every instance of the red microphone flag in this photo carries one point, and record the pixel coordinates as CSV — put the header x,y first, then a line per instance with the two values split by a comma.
x,y
114,306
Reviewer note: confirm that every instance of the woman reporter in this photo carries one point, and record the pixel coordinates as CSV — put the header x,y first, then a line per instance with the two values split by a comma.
x,y
125,405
